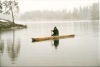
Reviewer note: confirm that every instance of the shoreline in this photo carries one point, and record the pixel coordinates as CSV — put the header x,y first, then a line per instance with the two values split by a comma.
x,y
10,26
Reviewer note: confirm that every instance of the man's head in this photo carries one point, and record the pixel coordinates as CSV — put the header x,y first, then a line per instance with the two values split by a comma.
x,y
55,27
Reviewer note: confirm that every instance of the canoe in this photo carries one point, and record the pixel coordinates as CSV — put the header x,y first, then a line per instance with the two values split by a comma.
x,y
52,38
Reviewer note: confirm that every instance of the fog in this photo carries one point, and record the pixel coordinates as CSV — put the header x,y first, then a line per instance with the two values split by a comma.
x,y
30,5
53,9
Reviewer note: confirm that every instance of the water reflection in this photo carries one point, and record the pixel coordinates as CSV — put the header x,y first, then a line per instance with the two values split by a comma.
x,y
13,48
87,51
56,43
1,46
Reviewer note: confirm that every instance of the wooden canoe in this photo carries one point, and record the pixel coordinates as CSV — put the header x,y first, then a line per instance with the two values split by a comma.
x,y
52,38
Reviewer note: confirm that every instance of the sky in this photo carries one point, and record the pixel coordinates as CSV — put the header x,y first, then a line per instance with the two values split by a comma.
x,y
30,5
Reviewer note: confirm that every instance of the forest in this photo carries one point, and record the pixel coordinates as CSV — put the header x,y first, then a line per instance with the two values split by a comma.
x,y
81,13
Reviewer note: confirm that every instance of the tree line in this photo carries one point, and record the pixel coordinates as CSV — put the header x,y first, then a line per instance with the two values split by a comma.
x,y
81,13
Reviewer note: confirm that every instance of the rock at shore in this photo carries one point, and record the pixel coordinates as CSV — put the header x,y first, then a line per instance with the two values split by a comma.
x,y
10,25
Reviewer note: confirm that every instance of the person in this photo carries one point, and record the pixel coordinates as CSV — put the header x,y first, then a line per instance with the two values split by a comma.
x,y
55,32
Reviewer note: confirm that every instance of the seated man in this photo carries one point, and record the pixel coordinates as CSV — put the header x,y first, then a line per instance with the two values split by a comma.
x,y
55,32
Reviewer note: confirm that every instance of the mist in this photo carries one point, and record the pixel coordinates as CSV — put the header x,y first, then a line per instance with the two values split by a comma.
x,y
53,5
56,10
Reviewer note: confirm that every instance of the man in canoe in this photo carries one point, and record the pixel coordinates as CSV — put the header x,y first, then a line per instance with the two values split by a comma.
x,y
55,32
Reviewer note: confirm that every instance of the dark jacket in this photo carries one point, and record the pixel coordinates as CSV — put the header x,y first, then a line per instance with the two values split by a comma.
x,y
55,32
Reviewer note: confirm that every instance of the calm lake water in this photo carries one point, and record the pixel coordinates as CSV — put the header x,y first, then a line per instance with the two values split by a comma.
x,y
17,48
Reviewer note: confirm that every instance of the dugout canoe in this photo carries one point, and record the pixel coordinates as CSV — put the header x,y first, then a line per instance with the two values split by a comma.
x,y
52,38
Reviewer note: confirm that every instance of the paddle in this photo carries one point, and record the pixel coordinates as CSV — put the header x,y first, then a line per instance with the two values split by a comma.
x,y
51,32
51,36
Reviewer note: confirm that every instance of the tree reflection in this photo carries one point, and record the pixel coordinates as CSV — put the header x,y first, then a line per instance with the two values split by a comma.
x,y
56,43
13,48
1,46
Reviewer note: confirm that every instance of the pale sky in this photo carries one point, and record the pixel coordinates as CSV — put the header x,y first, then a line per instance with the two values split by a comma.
x,y
30,5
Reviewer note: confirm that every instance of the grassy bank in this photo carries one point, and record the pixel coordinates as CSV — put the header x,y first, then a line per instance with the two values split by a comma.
x,y
10,25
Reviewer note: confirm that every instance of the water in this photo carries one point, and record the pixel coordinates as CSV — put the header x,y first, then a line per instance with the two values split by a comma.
x,y
17,48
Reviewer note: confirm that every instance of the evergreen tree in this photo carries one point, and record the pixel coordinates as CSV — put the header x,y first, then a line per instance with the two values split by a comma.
x,y
95,11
